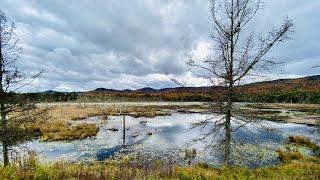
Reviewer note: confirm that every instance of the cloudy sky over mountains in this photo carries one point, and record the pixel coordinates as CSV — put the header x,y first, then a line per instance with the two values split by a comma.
x,y
120,44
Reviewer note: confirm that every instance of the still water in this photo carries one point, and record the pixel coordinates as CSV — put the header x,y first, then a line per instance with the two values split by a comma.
x,y
168,137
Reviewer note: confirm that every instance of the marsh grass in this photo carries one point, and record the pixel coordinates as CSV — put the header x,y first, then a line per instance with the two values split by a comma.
x,y
307,108
302,141
30,168
293,146
295,113
65,132
289,154
59,123
80,112
266,114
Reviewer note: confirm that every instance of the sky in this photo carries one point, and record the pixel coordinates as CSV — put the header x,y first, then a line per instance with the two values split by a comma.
x,y
125,44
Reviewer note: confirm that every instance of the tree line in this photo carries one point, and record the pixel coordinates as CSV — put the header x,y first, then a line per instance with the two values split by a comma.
x,y
293,96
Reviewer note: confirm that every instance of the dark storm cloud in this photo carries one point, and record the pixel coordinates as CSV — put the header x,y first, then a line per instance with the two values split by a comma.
x,y
83,45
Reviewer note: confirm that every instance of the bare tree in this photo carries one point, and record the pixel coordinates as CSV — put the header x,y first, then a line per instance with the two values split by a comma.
x,y
237,55
11,81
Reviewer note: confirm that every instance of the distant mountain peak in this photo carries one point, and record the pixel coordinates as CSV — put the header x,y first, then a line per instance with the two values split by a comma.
x,y
146,89
103,90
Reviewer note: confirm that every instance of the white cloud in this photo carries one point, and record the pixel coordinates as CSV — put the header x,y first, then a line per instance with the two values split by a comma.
x,y
202,50
40,14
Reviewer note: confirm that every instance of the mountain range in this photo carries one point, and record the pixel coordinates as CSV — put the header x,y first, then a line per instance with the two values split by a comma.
x,y
296,90
309,82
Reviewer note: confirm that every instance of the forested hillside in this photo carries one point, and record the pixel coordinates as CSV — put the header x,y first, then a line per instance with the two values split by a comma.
x,y
300,90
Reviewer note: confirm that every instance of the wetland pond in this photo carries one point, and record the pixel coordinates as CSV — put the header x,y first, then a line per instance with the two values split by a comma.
x,y
168,138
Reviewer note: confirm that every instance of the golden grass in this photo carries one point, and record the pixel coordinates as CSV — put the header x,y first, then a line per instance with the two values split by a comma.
x,y
80,112
302,141
29,168
57,123
62,132
289,154
309,108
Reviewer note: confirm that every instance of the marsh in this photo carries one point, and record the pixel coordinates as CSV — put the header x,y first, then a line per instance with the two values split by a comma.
x,y
167,137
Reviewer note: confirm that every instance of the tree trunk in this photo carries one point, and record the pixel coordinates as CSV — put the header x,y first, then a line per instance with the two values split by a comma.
x,y
227,143
229,70
5,153
2,98
4,139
